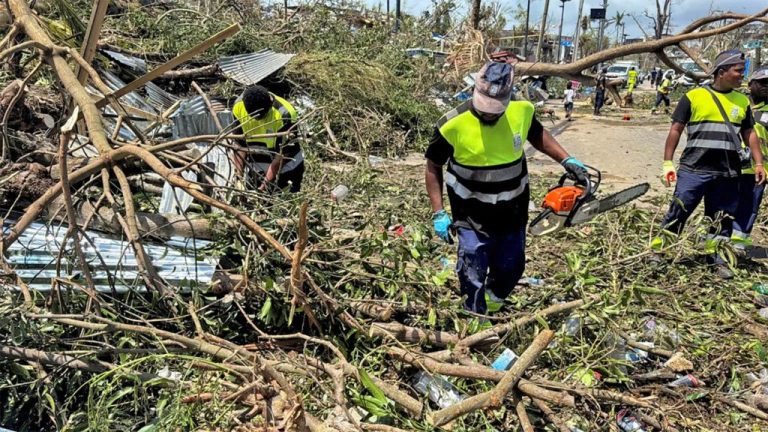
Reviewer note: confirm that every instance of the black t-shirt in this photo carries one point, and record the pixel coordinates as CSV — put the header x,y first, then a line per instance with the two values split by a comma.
x,y
710,161
486,218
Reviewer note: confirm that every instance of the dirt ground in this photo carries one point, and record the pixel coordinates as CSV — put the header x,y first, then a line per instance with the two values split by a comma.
x,y
627,152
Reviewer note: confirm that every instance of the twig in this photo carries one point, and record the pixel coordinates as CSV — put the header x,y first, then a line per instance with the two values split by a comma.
x,y
550,415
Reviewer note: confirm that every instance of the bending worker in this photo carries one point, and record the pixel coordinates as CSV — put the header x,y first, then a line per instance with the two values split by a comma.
x,y
270,160
711,162
751,193
487,181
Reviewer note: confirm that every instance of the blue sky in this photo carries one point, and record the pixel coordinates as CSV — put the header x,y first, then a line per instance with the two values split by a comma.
x,y
683,11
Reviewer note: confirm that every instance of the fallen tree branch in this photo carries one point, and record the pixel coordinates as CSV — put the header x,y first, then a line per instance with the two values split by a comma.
x,y
494,398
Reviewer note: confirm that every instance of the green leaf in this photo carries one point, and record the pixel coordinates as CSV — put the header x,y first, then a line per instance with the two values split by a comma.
x,y
415,253
119,394
372,387
695,396
266,308
432,317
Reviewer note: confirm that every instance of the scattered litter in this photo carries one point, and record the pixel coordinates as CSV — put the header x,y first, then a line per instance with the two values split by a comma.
x,y
533,281
628,423
375,160
505,360
166,373
686,381
339,193
437,388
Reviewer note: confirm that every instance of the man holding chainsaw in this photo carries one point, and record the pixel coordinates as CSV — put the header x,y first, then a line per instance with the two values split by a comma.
x,y
487,181
713,157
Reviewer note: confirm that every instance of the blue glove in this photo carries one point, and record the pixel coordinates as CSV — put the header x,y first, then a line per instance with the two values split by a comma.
x,y
575,169
442,224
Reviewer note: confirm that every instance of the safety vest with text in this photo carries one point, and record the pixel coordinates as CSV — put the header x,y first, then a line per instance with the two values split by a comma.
x,y
280,117
487,172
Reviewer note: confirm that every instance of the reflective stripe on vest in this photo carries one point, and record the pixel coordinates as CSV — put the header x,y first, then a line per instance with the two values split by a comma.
x,y
289,164
706,127
760,111
488,162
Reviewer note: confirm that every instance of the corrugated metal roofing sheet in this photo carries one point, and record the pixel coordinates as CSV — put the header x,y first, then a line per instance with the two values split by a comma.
x,y
191,119
135,63
159,98
251,68
34,257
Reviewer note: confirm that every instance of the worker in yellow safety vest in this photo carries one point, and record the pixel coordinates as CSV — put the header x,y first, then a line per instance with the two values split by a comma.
x,y
662,95
268,155
711,163
751,194
487,182
631,79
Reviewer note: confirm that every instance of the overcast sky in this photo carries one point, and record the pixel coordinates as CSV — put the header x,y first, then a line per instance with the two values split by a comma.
x,y
683,11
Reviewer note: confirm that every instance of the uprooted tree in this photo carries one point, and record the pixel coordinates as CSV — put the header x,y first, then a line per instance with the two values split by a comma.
x,y
297,331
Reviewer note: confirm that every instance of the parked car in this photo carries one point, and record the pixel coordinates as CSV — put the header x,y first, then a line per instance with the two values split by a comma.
x,y
618,71
681,79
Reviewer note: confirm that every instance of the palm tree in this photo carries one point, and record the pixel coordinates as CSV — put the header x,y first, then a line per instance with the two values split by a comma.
x,y
618,21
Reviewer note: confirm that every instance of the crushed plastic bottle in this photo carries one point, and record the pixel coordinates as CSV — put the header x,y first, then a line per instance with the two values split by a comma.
x,y
686,381
533,281
375,160
572,325
505,360
619,352
438,389
339,193
628,423
657,332
635,355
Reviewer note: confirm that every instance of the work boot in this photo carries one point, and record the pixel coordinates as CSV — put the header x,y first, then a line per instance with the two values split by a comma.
x,y
723,272
493,303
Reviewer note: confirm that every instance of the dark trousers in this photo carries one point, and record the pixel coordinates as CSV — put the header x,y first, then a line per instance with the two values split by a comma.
x,y
661,97
290,180
720,196
599,100
750,197
493,262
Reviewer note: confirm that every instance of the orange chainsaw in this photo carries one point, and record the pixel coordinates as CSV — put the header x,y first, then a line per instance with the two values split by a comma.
x,y
566,205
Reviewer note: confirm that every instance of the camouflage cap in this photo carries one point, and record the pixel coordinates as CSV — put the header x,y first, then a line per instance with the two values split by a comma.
x,y
493,87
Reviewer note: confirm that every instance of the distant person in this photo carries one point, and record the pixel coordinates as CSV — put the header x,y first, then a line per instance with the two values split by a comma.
x,y
568,100
600,82
711,163
659,77
269,160
631,79
653,77
662,95
751,193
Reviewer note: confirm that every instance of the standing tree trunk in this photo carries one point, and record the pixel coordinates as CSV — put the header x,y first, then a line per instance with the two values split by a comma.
x,y
542,31
474,16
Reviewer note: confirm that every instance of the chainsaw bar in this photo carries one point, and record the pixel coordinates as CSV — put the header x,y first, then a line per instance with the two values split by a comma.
x,y
593,208
549,221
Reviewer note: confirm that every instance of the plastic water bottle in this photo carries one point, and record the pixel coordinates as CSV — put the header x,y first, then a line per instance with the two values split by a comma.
x,y
505,360
628,423
437,389
339,193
